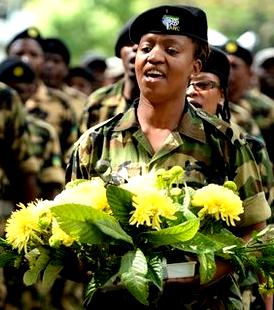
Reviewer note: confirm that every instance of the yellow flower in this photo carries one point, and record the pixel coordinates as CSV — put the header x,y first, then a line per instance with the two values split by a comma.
x,y
150,206
23,225
59,236
89,192
138,183
219,202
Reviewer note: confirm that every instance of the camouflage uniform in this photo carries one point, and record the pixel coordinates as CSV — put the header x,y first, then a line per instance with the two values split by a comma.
x,y
243,118
47,150
104,103
52,106
77,100
207,148
16,152
262,110
16,158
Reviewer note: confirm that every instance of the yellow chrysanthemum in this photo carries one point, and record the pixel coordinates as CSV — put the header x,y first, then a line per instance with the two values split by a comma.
x,y
150,206
90,192
219,202
59,236
23,225
138,183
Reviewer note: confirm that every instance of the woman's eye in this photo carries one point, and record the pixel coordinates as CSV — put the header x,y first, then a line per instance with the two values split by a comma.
x,y
171,51
145,49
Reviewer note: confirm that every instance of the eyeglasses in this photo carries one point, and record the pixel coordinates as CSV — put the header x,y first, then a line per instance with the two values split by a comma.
x,y
204,85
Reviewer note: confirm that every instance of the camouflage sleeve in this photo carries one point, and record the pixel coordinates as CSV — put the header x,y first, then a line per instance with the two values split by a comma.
x,y
249,182
79,166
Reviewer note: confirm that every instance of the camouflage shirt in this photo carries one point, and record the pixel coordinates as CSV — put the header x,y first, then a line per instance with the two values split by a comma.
x,y
243,118
52,106
261,108
209,150
16,156
103,104
47,150
77,100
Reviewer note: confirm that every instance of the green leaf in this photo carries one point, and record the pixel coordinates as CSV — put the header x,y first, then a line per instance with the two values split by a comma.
x,y
200,243
173,235
133,275
50,275
207,267
87,224
7,258
120,201
155,271
31,276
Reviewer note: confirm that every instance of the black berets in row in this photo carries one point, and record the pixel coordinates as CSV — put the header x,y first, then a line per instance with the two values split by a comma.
x,y
14,70
234,48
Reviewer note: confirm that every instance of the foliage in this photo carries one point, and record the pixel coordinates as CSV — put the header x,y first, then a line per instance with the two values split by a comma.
x,y
122,234
93,25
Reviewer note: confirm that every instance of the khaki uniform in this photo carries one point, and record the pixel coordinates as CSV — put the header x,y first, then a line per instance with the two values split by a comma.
x,y
208,149
52,106
103,104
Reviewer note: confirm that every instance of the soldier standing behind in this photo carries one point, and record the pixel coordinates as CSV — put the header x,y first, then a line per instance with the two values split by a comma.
x,y
47,103
18,167
55,71
19,75
110,100
242,93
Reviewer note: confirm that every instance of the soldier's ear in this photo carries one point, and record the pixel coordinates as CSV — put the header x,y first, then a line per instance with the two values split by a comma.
x,y
197,66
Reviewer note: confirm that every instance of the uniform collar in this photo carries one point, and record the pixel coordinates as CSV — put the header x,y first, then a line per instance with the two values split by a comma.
x,y
191,124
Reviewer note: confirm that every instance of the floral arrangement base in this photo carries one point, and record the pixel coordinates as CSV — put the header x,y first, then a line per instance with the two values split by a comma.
x,y
180,270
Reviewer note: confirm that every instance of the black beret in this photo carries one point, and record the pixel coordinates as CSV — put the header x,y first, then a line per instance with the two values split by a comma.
x,y
234,48
82,72
29,33
218,64
56,46
170,19
123,38
14,70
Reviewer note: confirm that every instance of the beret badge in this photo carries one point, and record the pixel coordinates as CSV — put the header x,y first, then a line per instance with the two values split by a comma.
x,y
231,47
171,22
18,71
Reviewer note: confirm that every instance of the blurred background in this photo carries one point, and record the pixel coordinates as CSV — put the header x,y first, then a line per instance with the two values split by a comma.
x,y
92,25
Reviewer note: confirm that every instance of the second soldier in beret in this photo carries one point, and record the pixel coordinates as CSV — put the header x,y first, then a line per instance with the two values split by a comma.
x,y
162,130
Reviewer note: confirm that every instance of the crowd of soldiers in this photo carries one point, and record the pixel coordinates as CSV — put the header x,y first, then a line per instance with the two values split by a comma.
x,y
46,104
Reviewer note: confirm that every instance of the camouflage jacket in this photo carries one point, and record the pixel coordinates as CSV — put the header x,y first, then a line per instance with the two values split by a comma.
x,y
77,100
52,106
261,108
47,150
103,104
209,150
16,156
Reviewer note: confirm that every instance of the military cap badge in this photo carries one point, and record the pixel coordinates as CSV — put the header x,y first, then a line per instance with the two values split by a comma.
x,y
231,47
18,71
171,22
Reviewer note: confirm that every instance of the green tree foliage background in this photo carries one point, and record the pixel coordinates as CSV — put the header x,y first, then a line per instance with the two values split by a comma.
x,y
93,25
